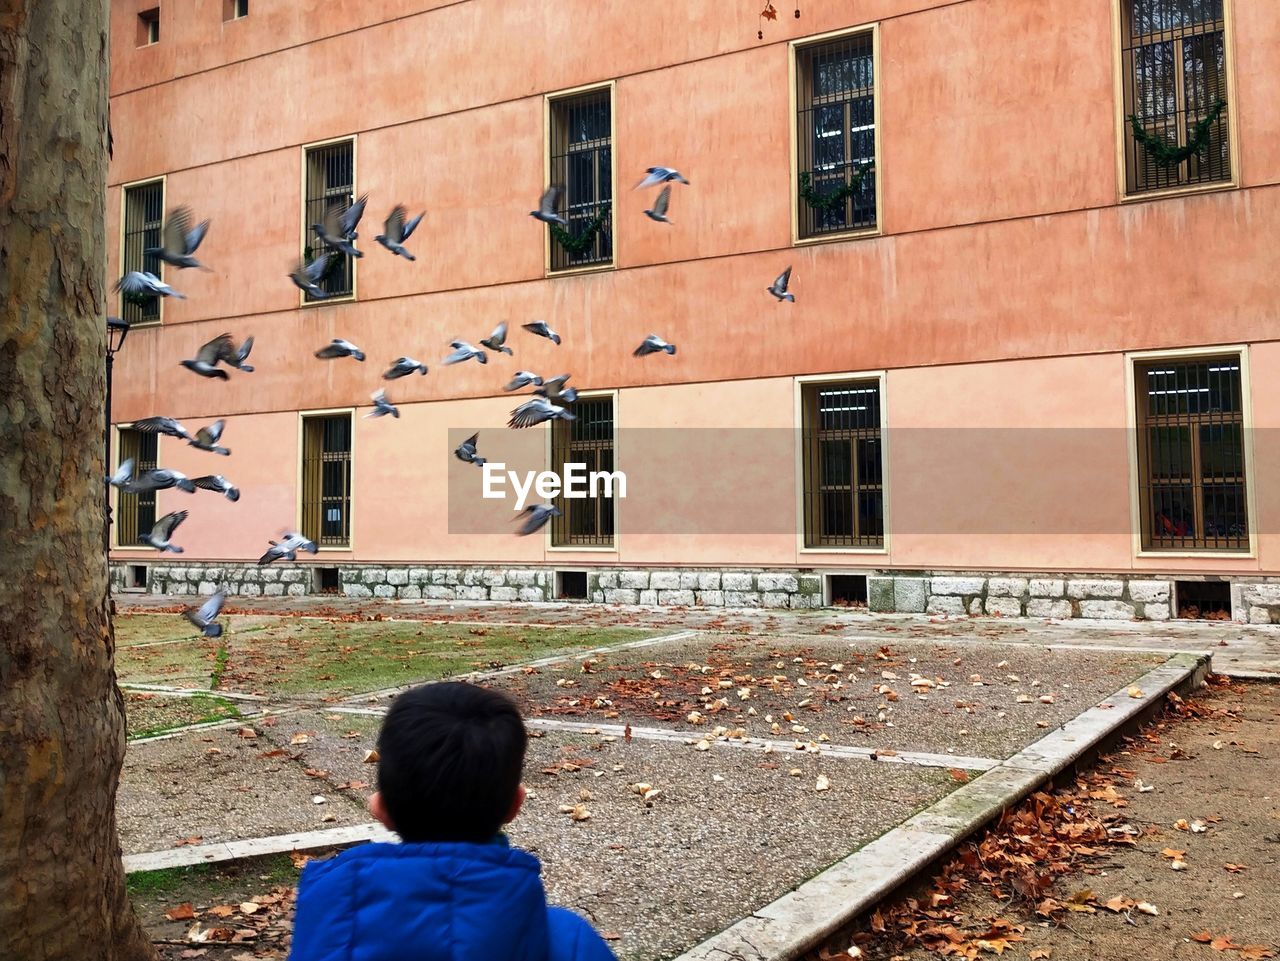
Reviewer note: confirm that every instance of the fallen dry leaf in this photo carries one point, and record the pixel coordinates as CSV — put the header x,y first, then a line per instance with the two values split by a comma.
x,y
372,757
1234,868
299,739
249,907
1201,937
1039,954
1256,952
1223,943
1172,854
183,912
1135,692
1147,908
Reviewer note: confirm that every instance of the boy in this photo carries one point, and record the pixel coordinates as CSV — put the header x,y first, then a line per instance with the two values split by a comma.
x,y
448,779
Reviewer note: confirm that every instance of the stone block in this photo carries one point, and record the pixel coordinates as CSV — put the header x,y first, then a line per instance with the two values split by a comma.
x,y
271,574
649,597
909,595
494,578
1261,595
410,592
293,575
1047,586
1156,611
1259,615
524,578
737,581
207,587
384,590
709,581
471,577
607,580
472,592
182,587
805,601
1079,590
741,599
273,590
621,595
397,576
1006,586
533,594
1145,591
419,576
956,586
1004,606
1107,610
685,598
664,580
597,597
777,582
374,575
503,593
438,592
975,606
688,580
812,585
297,590
248,590
945,604
1045,607
633,580
880,595
776,599
543,578
711,598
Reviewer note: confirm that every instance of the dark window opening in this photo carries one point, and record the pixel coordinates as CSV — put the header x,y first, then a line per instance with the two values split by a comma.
x,y
836,136
1203,600
235,9
327,580
135,514
149,27
588,440
582,162
143,222
847,590
571,585
330,187
843,465
326,480
135,577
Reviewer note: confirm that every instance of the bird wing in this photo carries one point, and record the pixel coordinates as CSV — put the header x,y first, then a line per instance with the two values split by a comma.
x,y
664,199
393,226
330,351
646,347
332,221
134,283
471,441
554,384
499,335
538,327
379,397
212,607
462,352
211,482
216,349
530,413
652,176
123,472
166,525
410,227
784,278
196,236
174,240
550,198
538,515
209,435
243,353
351,216
317,268
152,425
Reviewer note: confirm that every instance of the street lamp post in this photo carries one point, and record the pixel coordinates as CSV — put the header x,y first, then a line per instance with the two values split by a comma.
x,y
117,331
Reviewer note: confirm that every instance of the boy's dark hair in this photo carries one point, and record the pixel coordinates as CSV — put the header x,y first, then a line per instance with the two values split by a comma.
x,y
451,758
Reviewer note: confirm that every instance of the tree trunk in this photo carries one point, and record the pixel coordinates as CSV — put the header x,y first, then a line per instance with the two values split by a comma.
x,y
62,734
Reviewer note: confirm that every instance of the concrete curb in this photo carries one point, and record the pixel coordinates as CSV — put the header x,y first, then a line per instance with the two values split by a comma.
x,y
255,847
800,920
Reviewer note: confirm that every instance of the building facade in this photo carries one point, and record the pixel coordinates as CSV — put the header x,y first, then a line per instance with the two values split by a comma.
x,y
1032,365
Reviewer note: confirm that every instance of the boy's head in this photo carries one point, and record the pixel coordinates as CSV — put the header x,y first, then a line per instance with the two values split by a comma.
x,y
451,755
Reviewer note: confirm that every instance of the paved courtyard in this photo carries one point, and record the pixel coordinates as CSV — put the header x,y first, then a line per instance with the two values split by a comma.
x,y
686,765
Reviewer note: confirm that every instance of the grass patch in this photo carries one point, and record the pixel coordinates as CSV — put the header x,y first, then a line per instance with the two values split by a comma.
x,y
208,883
188,664
150,714
219,665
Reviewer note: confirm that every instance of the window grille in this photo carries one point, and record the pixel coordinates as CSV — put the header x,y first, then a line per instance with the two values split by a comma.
x,y
326,479
1173,65
582,161
588,441
836,136
330,186
143,225
843,465
1191,458
135,514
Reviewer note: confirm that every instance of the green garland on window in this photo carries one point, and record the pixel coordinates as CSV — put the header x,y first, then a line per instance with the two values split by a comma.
x,y
838,196
1165,154
582,242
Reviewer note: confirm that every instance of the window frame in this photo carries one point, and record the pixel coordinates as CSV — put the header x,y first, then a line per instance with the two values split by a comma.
x,y
1137,508
1123,135
300,493
794,50
147,20
231,8
305,228
613,548
163,180
117,448
547,101
880,378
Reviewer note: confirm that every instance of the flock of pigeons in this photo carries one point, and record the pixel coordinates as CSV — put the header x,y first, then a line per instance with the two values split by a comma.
x,y
337,232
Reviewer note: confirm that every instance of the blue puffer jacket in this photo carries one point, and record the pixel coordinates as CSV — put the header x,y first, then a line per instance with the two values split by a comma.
x,y
435,902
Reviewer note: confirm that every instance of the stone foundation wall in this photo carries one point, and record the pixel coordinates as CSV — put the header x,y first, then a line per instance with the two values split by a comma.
x,y
1004,595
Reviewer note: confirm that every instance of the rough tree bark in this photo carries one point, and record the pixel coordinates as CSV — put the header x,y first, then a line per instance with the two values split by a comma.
x,y
62,740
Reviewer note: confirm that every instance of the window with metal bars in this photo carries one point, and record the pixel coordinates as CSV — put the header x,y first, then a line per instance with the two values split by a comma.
x,y
326,479
588,521
582,161
1191,458
135,514
330,174
1173,65
143,224
836,136
843,465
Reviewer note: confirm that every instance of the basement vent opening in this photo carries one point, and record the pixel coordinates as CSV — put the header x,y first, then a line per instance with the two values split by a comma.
x,y
1203,600
327,580
571,585
846,590
135,577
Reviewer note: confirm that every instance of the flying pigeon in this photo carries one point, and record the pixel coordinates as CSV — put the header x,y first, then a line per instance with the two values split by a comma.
x,y
496,340
122,475
535,518
160,535
382,406
205,619
159,479
466,451
287,547
403,367
534,412
351,217
307,276
524,378
207,438
180,240
653,344
234,356
540,328
395,231
338,226
546,211
140,283
659,210
340,348
779,287
221,348
553,389
162,425
219,485
660,175
464,351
